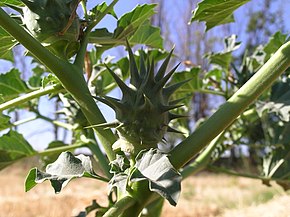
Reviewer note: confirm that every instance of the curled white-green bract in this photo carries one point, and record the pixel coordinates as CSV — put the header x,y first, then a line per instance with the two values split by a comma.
x,y
54,23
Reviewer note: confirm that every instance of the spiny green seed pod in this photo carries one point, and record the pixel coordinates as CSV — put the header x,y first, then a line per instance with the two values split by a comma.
x,y
143,113
47,20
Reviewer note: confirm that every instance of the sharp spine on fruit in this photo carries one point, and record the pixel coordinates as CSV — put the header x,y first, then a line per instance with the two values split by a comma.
x,y
134,73
166,78
143,112
161,72
127,91
168,91
172,130
173,116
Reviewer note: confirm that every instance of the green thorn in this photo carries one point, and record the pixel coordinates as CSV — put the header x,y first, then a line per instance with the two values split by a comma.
x,y
135,78
127,91
174,102
166,108
172,130
161,72
176,116
113,124
110,101
143,70
149,80
165,79
168,91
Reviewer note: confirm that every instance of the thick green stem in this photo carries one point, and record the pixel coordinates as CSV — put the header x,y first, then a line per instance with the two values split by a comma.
x,y
228,112
69,75
98,154
29,96
120,206
202,161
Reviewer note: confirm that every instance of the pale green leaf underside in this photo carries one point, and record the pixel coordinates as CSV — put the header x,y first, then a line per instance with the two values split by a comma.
x,y
216,12
163,178
62,171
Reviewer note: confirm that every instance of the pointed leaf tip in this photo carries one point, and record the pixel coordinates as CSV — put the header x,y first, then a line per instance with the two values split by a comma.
x,y
30,180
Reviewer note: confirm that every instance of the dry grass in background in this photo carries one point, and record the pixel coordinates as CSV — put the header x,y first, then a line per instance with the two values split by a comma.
x,y
205,195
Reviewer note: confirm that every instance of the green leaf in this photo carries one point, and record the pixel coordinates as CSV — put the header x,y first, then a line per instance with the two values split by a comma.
x,y
7,42
36,79
11,85
190,87
30,179
62,171
279,102
13,147
50,79
130,22
275,42
100,8
163,178
133,26
276,165
224,58
216,12
11,2
149,35
4,122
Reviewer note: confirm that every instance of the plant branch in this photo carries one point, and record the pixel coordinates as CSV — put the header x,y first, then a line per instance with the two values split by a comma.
x,y
29,96
245,175
60,149
69,75
101,15
228,112
120,206
202,161
79,60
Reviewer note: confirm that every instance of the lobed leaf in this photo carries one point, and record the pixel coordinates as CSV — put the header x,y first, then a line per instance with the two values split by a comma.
x,y
131,21
7,42
147,34
11,85
4,122
216,12
162,176
62,171
224,58
13,147
134,26
100,8
275,42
